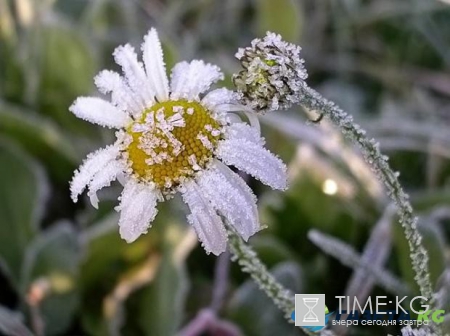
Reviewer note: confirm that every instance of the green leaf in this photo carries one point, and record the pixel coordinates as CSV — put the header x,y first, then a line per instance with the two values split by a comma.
x,y
23,194
52,262
284,17
162,302
41,138
103,266
66,71
255,313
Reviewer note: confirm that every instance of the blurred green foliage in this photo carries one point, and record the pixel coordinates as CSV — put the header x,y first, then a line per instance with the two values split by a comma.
x,y
64,269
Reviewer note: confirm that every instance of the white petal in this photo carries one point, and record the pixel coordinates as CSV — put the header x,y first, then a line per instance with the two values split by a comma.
x,y
189,80
99,111
204,219
255,160
94,163
254,121
134,73
242,131
232,198
103,179
121,94
219,97
154,65
137,210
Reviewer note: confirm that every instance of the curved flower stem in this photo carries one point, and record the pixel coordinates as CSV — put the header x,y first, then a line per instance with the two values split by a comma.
x,y
250,263
379,163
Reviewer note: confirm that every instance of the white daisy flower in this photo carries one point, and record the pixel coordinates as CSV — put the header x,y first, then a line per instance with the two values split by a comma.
x,y
173,137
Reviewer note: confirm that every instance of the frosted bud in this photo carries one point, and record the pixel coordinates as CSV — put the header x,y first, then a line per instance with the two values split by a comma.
x,y
273,74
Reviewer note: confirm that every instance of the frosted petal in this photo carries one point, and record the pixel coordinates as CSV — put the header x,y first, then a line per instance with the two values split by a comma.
x,y
93,164
99,111
255,160
137,210
102,179
121,94
219,97
189,80
232,198
154,65
204,219
134,73
242,131
178,77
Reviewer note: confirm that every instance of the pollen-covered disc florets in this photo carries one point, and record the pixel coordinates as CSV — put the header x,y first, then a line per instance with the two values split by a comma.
x,y
273,73
171,141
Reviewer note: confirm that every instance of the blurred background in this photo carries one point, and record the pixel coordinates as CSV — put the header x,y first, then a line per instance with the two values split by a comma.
x,y
65,271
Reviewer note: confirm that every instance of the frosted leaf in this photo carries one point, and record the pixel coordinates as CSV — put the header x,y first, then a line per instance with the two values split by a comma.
x,y
137,210
134,73
154,65
99,111
94,163
232,198
121,94
255,160
189,80
204,220
365,266
102,179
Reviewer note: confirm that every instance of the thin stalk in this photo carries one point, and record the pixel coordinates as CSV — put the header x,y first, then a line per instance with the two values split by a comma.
x,y
247,258
370,149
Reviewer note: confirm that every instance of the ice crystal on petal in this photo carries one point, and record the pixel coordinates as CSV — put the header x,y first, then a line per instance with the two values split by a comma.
x,y
134,72
121,94
232,198
254,160
154,65
219,97
241,131
137,210
99,111
93,164
204,220
103,179
191,79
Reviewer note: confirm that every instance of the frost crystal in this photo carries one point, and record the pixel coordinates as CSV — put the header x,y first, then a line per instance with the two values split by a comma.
x,y
273,74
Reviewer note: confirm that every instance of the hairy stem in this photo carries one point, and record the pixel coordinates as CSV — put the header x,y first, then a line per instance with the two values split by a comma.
x,y
250,263
379,163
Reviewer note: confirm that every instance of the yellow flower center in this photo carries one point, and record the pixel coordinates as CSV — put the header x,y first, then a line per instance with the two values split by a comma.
x,y
171,141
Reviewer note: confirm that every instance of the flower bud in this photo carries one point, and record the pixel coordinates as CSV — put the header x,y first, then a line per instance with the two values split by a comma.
x,y
273,74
